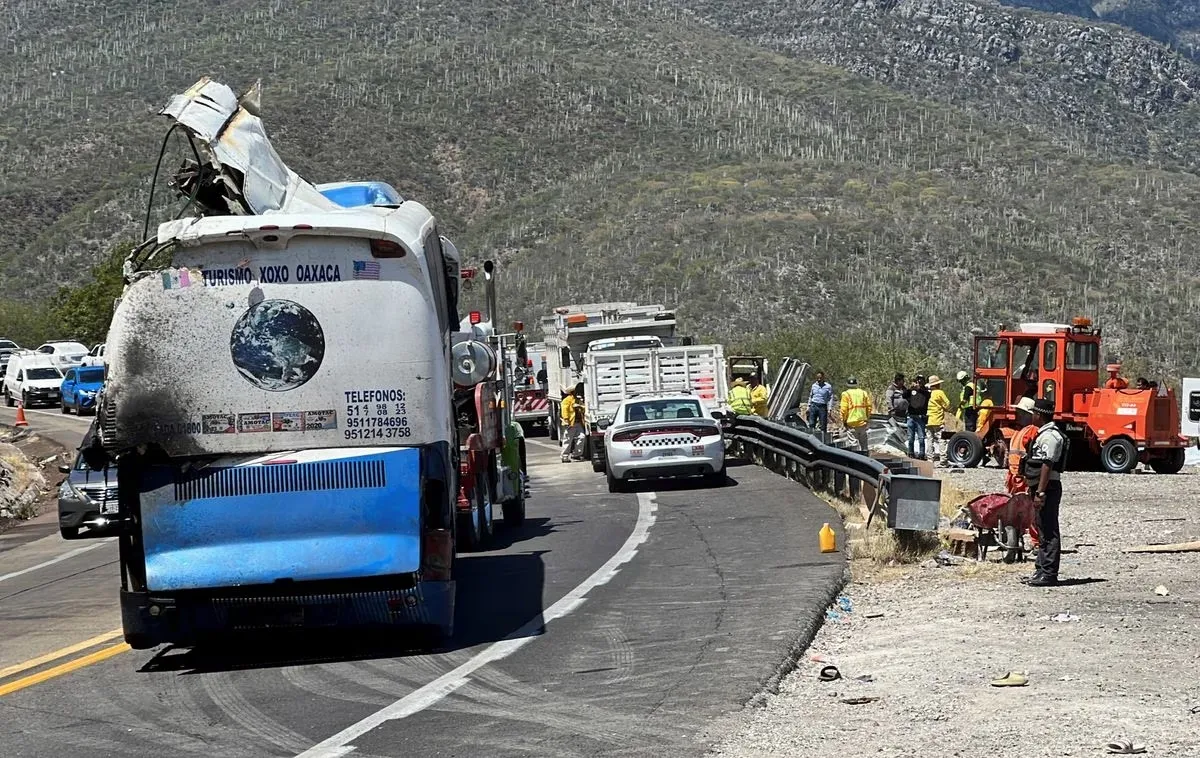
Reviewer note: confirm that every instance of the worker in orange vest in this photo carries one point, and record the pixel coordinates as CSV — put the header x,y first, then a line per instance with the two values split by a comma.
x,y
1014,482
1115,382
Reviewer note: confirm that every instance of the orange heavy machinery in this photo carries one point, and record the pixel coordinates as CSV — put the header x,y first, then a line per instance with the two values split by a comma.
x,y
1110,429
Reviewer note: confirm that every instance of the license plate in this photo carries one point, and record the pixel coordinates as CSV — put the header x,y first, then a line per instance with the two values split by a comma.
x,y
671,452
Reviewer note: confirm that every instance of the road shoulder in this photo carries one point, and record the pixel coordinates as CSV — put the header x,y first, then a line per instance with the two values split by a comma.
x,y
1106,657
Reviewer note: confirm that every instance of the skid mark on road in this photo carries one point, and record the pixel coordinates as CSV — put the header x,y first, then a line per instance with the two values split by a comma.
x,y
341,744
225,696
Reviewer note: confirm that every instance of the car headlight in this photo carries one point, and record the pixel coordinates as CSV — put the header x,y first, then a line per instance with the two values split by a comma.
x,y
70,492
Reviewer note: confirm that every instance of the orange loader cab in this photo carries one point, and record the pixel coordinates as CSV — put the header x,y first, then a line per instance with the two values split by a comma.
x,y
1110,429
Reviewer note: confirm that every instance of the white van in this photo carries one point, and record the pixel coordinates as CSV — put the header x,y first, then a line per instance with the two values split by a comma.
x,y
32,378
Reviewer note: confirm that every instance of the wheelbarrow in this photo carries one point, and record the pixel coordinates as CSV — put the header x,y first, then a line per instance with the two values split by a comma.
x,y
1000,521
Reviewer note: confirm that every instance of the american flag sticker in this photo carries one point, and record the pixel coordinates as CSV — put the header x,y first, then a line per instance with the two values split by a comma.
x,y
366,270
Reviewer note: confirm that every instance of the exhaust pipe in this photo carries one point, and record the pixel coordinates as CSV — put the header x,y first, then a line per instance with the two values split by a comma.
x,y
489,294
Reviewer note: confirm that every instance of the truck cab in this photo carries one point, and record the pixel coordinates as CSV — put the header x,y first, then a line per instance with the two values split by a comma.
x,y
1113,429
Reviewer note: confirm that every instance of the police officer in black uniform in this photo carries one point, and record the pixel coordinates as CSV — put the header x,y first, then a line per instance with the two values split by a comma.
x,y
1045,459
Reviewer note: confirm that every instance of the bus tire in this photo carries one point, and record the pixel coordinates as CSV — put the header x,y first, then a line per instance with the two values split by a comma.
x,y
140,641
467,527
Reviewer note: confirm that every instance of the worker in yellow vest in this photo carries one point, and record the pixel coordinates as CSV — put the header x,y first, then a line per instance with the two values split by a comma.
x,y
855,406
741,400
758,396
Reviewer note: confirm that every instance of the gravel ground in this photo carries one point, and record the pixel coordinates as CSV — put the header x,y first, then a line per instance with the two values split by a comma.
x,y
1126,666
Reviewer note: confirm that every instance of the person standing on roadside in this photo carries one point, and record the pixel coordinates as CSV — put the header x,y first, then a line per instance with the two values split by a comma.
x,y
758,396
968,404
917,397
572,420
1044,464
939,406
740,400
820,395
855,407
897,408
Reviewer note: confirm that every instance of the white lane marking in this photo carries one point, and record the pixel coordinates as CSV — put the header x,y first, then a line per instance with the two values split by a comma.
x,y
339,744
59,559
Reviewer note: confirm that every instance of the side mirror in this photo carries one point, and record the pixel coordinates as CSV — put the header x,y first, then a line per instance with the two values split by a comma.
x,y
603,423
719,415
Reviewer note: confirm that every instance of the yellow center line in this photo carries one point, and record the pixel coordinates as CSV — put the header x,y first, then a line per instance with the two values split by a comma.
x,y
63,668
42,659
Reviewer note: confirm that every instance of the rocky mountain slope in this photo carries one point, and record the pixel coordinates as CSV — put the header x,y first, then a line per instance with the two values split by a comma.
x,y
915,168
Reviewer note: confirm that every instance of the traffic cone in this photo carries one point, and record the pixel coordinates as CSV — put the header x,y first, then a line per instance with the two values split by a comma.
x,y
21,415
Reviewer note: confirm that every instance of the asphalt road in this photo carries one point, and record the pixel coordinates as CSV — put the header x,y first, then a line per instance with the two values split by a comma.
x,y
611,624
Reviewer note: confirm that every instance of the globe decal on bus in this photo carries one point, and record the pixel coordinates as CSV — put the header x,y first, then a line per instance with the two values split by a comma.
x,y
277,345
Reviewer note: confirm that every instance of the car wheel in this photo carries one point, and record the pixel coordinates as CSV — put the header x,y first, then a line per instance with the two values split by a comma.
x,y
8,399
598,464
1118,456
716,479
24,399
69,532
63,402
614,484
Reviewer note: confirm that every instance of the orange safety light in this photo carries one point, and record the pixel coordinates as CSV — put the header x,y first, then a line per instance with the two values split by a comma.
x,y
577,319
1081,321
475,317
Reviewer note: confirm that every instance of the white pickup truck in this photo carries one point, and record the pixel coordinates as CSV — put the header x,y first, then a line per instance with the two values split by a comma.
x,y
612,374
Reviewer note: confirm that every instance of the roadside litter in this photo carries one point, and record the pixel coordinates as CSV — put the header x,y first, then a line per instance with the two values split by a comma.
x,y
1161,591
829,674
1173,547
845,604
1011,679
1125,747
1063,618
859,700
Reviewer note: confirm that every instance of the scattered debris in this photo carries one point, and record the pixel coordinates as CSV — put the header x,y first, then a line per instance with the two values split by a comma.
x,y
1011,679
1125,747
859,700
1174,547
864,678
1064,618
1161,591
874,615
845,604
829,674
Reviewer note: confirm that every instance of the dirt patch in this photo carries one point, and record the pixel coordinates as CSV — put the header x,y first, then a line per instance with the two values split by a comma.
x,y
28,475
1107,658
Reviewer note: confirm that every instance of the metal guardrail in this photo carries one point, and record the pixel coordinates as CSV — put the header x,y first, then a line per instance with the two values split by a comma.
x,y
911,502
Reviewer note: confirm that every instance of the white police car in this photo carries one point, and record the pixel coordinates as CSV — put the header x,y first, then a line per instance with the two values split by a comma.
x,y
658,435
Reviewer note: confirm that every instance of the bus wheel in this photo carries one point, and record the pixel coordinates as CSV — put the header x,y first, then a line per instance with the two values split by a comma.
x,y
469,538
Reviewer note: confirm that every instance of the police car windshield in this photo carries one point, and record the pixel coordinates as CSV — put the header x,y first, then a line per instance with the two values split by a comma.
x,y
657,410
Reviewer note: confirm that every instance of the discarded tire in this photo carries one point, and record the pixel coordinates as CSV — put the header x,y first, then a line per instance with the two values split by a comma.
x,y
964,449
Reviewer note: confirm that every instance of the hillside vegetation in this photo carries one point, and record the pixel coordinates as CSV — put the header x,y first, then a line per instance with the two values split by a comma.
x,y
653,151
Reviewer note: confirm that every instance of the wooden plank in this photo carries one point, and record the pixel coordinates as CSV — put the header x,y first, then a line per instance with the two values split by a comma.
x,y
1174,547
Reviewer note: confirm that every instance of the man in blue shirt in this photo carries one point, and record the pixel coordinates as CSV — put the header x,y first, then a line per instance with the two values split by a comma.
x,y
819,398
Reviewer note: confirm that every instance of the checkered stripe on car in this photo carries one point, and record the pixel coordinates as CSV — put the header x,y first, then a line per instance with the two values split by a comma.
x,y
686,439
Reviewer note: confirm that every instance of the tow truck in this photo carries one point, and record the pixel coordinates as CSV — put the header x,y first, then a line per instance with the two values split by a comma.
x,y
491,443
1113,429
